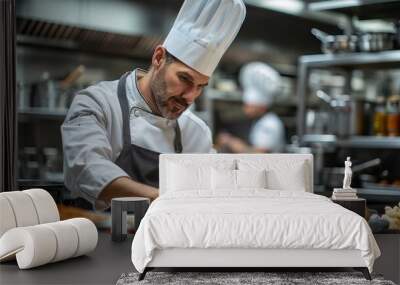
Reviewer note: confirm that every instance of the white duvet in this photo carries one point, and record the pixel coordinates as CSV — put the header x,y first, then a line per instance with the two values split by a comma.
x,y
250,219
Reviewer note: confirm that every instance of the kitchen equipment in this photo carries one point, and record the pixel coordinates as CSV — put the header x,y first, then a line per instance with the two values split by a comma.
x,y
346,116
317,121
367,178
72,77
380,118
55,94
397,36
52,167
23,91
377,41
378,186
44,93
333,176
335,43
28,163
393,115
66,90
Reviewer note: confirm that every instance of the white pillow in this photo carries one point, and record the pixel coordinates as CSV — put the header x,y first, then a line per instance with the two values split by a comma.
x,y
251,178
281,174
230,180
184,177
293,180
223,179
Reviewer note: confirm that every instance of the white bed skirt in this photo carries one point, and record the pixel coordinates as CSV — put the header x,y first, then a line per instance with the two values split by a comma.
x,y
193,257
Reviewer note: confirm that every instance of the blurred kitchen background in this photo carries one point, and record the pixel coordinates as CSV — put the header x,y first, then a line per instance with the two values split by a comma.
x,y
339,60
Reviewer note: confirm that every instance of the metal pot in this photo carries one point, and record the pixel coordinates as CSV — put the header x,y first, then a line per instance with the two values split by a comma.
x,y
317,121
54,94
376,41
44,94
346,116
337,43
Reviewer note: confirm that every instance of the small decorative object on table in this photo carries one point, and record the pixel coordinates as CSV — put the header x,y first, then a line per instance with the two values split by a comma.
x,y
347,196
345,193
119,209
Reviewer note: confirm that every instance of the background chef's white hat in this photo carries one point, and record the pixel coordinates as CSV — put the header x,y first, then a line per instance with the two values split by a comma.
x,y
203,31
260,83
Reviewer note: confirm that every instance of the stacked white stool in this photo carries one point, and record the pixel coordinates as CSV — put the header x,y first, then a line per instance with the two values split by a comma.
x,y
31,230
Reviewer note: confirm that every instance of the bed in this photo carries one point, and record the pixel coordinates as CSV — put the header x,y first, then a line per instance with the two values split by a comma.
x,y
247,210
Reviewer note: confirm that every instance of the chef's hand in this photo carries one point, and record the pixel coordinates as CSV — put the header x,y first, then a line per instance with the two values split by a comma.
x,y
233,144
238,146
127,187
154,195
223,139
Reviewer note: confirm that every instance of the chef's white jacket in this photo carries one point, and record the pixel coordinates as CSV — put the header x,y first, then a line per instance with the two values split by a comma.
x,y
268,133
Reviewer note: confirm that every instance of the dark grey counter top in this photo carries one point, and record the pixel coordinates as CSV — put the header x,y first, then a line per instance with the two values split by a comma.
x,y
102,266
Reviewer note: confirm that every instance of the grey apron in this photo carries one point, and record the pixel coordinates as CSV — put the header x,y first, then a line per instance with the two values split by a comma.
x,y
140,163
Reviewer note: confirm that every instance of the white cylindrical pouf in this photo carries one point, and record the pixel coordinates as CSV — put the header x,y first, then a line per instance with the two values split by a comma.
x,y
7,218
67,239
23,208
87,235
45,206
34,245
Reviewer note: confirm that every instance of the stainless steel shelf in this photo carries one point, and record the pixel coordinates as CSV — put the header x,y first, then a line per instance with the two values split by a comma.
x,y
366,9
379,195
393,193
384,59
349,61
371,142
356,141
43,113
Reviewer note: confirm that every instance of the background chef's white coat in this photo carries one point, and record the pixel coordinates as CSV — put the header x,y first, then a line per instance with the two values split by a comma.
x,y
268,133
92,136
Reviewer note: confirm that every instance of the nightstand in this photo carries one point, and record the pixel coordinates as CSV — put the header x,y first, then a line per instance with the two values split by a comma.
x,y
356,205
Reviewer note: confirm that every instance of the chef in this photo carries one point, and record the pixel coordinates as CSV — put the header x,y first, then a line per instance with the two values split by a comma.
x,y
260,83
115,130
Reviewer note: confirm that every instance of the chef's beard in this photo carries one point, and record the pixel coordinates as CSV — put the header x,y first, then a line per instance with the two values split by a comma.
x,y
166,104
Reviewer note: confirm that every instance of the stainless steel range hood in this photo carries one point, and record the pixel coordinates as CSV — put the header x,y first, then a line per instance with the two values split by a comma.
x,y
134,28
116,16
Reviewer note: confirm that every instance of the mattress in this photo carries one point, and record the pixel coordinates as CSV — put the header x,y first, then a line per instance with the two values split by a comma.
x,y
252,219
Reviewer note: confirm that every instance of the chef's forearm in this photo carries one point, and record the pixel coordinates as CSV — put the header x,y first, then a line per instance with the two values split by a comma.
x,y
126,187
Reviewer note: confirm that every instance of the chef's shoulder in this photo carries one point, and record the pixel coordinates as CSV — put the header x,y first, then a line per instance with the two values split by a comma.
x,y
99,99
271,121
196,135
192,123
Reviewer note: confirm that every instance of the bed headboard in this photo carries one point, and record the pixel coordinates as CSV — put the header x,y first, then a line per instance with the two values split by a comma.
x,y
212,159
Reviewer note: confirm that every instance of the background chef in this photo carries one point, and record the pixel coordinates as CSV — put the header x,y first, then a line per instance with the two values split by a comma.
x,y
260,83
115,130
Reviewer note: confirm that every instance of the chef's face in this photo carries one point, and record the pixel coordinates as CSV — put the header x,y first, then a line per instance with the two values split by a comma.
x,y
175,85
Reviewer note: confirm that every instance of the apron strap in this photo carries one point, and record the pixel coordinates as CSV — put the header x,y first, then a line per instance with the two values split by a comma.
x,y
178,139
123,102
